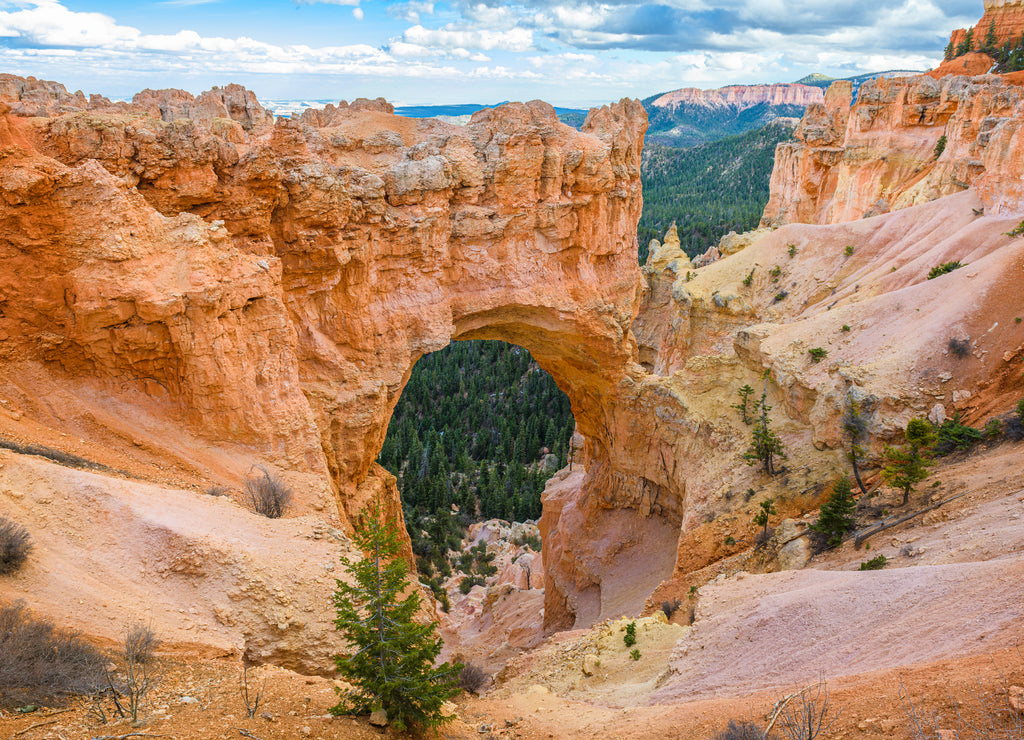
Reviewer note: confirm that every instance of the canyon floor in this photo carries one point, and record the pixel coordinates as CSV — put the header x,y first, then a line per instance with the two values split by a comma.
x,y
941,624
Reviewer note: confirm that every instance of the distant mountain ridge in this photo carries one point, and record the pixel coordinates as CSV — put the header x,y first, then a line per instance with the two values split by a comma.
x,y
690,116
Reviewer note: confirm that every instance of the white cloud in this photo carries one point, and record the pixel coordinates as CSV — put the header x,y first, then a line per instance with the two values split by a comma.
x,y
515,39
357,13
411,11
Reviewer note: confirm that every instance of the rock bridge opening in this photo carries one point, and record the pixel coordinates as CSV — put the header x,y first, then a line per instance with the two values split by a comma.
x,y
478,431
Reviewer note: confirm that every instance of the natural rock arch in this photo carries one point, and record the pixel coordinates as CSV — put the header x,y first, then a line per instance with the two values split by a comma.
x,y
275,283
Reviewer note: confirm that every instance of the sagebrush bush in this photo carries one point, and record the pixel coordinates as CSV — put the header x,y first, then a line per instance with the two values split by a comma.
x,y
740,731
15,546
472,678
960,348
39,663
139,643
943,269
268,495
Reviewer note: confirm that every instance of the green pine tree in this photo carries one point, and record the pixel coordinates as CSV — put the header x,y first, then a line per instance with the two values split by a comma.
x,y
907,466
765,446
393,663
762,517
836,517
856,429
949,51
990,37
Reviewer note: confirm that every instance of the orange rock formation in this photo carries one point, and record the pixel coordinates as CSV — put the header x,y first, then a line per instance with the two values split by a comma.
x,y
273,284
1007,18
880,155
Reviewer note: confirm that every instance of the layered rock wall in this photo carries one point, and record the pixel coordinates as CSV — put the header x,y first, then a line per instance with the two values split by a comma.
x,y
883,153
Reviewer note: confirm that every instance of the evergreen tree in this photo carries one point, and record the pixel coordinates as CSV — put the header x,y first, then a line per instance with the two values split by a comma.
x,y
836,517
393,666
907,466
762,517
949,51
765,446
989,46
855,428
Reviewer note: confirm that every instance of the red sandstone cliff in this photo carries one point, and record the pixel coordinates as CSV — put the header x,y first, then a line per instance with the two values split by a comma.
x,y
1006,17
880,155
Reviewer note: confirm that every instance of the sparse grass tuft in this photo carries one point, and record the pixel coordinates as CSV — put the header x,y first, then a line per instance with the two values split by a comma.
x,y
817,354
15,546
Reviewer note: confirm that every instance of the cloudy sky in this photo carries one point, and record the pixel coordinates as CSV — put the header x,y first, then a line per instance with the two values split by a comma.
x,y
569,52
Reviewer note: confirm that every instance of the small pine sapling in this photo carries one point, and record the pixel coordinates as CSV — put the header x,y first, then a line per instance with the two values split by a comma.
x,y
876,563
749,279
762,517
817,354
630,637
765,447
743,407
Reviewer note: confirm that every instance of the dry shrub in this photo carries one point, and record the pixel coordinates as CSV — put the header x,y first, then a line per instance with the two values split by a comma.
x,y
670,607
39,663
139,643
741,731
472,678
15,546
267,494
960,348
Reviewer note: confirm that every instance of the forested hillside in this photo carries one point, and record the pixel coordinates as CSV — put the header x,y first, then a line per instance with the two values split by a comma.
x,y
472,428
709,190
